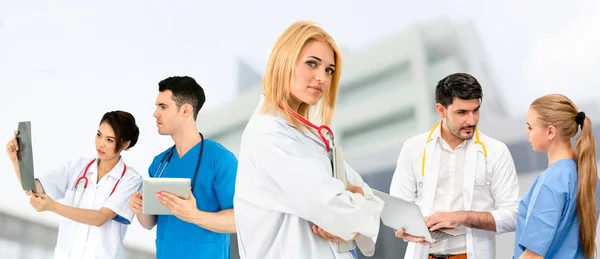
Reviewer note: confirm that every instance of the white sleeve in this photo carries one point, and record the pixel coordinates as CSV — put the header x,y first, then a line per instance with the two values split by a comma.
x,y
505,190
118,202
365,243
404,185
308,189
56,182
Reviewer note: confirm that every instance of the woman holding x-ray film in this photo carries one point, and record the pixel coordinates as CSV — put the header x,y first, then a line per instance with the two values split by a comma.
x,y
94,193
288,204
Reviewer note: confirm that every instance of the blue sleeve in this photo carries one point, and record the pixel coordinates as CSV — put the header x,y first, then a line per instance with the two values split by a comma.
x,y
224,184
152,168
542,219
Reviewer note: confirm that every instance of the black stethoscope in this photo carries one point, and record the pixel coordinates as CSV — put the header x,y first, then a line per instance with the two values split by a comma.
x,y
167,158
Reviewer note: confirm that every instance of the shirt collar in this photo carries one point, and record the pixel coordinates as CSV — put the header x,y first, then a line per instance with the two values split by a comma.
x,y
437,134
116,172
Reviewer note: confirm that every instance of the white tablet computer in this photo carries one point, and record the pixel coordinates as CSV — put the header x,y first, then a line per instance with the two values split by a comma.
x,y
177,186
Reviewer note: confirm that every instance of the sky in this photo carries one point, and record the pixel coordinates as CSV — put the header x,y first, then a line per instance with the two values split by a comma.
x,y
62,65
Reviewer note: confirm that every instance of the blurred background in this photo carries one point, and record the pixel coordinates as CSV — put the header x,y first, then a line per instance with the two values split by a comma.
x,y
63,65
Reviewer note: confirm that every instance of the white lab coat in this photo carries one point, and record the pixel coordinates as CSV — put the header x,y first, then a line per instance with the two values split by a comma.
x,y
487,186
76,240
284,184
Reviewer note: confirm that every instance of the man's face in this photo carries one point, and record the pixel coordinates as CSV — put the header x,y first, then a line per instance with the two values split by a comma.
x,y
167,114
460,117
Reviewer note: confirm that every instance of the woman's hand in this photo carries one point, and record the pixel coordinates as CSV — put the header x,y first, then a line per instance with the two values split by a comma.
x,y
355,189
329,237
12,147
41,202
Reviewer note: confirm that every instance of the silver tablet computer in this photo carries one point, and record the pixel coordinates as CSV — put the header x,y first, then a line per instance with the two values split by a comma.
x,y
398,213
176,186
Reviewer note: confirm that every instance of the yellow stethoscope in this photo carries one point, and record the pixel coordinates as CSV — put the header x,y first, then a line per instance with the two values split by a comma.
x,y
477,141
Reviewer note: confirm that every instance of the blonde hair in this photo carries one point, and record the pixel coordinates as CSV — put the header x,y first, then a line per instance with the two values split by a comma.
x,y
559,111
280,68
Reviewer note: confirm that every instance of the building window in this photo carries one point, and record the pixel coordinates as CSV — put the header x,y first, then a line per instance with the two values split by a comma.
x,y
389,125
381,81
236,129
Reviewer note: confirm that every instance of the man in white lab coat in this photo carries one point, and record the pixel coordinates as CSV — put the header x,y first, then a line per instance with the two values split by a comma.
x,y
458,177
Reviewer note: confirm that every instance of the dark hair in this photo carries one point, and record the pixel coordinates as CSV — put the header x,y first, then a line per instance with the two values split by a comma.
x,y
185,90
123,124
460,85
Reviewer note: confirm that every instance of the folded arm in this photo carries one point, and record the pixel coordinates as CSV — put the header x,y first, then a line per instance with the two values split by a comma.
x,y
366,243
309,190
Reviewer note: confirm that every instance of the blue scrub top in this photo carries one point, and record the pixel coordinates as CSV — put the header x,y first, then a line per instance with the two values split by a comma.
x,y
213,190
547,223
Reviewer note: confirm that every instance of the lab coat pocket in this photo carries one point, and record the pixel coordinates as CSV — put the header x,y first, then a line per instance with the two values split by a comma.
x,y
482,175
66,229
482,183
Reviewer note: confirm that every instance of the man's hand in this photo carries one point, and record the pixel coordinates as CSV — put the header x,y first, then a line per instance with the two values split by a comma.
x,y
185,210
135,203
441,220
408,238
329,237
355,189
41,202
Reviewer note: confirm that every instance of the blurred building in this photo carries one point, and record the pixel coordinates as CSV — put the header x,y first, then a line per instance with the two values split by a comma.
x,y
34,237
386,96
387,90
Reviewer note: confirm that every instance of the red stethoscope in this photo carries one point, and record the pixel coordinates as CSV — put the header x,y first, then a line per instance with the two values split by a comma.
x,y
319,129
86,180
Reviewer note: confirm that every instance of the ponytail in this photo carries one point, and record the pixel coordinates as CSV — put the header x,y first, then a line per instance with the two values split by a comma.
x,y
587,181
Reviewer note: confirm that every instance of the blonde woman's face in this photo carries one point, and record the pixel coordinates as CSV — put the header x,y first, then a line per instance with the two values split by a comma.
x,y
313,73
536,133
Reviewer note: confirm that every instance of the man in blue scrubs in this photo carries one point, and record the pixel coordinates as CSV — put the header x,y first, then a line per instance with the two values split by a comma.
x,y
200,225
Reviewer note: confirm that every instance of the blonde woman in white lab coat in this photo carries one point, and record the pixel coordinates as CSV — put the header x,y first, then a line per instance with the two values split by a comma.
x,y
95,193
287,203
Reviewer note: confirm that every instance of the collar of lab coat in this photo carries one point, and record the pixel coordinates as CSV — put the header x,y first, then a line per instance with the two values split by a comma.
x,y
114,173
432,165
311,133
